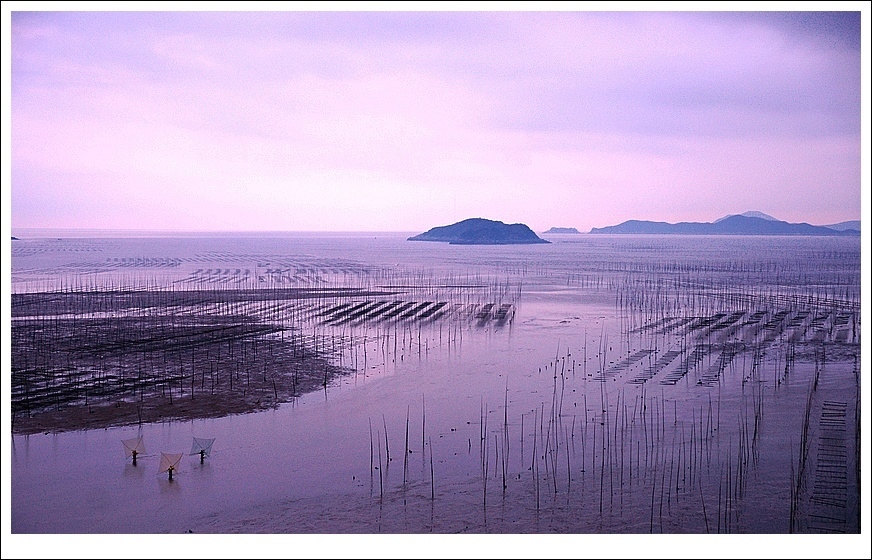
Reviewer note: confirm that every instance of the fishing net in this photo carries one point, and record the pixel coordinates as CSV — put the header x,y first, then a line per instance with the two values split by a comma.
x,y
133,444
202,444
168,460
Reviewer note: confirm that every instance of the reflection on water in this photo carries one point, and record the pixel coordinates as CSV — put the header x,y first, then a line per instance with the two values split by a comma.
x,y
170,487
197,469
599,384
131,471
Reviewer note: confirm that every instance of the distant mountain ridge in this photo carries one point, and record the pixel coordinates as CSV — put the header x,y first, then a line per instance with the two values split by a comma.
x,y
562,230
736,224
841,226
479,231
749,214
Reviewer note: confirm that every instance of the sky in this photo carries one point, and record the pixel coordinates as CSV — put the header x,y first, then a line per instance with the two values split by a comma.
x,y
329,120
406,120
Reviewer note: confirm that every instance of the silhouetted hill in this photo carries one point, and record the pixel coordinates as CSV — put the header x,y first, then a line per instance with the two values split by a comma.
x,y
730,225
842,226
562,230
749,214
478,231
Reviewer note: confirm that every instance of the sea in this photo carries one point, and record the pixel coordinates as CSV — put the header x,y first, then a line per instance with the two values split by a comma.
x,y
594,385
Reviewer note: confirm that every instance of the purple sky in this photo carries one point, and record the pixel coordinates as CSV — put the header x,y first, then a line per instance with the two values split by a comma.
x,y
402,121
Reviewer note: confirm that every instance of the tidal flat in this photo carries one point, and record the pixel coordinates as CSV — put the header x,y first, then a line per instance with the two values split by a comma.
x,y
359,383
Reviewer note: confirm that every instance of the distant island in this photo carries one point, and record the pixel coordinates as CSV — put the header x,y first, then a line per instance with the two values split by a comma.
x,y
562,230
749,214
842,226
478,231
750,223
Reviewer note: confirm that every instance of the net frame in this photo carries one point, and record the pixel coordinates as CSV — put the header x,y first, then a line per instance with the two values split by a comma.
x,y
202,444
133,444
169,460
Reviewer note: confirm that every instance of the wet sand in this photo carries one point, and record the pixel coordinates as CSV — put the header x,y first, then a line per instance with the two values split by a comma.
x,y
259,394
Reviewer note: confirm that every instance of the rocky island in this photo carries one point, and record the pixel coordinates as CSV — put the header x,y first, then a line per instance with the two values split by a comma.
x,y
562,230
736,224
479,231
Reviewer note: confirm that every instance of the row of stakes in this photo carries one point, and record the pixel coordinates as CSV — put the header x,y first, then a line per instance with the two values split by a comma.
x,y
168,461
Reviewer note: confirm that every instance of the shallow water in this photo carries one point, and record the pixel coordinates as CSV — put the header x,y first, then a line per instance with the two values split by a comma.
x,y
534,422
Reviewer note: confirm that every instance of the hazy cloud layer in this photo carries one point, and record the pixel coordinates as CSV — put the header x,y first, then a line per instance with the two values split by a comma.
x,y
405,120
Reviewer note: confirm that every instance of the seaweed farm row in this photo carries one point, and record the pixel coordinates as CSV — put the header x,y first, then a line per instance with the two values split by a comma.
x,y
713,408
603,385
752,429
250,349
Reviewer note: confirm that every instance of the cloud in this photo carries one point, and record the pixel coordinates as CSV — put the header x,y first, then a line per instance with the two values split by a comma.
x,y
397,120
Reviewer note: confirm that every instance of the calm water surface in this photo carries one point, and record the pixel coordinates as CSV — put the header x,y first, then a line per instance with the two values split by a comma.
x,y
598,384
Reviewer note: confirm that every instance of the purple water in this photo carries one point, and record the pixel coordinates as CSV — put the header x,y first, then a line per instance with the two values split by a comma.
x,y
626,441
